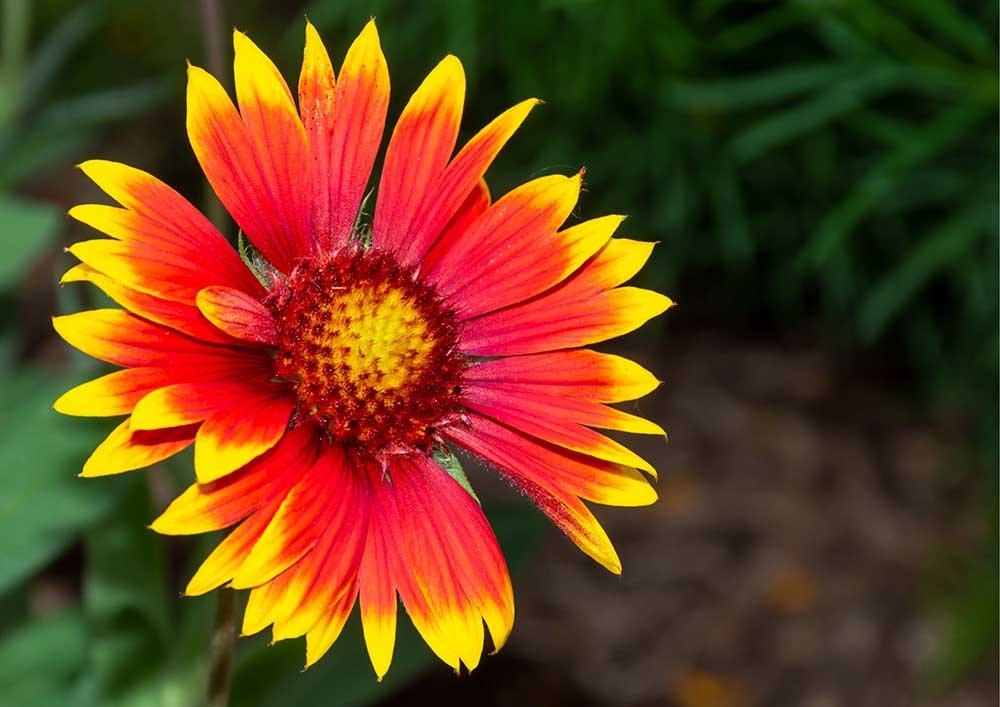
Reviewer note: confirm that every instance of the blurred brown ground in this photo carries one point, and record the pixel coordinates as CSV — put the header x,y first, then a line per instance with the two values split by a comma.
x,y
802,508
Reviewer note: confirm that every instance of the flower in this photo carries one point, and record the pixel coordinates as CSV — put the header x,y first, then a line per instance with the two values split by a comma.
x,y
324,378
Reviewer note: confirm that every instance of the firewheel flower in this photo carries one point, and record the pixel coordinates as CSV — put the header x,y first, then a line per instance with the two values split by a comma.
x,y
325,377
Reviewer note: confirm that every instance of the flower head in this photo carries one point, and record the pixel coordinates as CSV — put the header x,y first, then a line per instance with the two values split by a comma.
x,y
323,378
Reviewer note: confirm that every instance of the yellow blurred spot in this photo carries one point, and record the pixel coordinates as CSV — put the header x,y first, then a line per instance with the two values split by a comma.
x,y
697,688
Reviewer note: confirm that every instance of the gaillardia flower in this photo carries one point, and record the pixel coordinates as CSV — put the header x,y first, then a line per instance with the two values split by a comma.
x,y
324,377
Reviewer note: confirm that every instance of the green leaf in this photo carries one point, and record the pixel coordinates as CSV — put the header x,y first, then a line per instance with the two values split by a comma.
x,y
28,228
447,460
40,661
125,600
44,506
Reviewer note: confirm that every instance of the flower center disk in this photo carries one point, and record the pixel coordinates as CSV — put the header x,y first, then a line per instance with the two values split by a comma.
x,y
371,351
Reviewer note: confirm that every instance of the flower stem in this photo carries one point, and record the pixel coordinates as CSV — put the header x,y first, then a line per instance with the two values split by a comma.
x,y
223,642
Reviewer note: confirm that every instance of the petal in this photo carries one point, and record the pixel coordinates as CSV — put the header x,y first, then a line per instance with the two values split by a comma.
x,y
185,403
123,339
578,474
523,221
542,402
450,571
361,102
530,266
551,323
471,209
229,154
317,87
377,591
230,438
554,488
238,314
175,315
113,394
225,560
157,269
325,633
329,570
553,428
418,151
292,533
126,449
458,180
158,217
279,143
583,374
205,507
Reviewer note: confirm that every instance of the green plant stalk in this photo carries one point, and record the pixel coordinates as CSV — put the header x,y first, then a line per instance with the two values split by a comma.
x,y
220,668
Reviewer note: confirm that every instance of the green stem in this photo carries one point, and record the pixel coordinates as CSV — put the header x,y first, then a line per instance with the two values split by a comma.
x,y
223,643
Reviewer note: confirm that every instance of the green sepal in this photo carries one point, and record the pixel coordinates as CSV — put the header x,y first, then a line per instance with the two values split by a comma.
x,y
447,460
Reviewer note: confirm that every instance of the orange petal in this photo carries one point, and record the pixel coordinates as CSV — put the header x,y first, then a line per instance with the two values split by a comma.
x,y
225,560
542,402
230,156
530,266
511,243
325,633
185,403
551,323
449,569
377,593
418,151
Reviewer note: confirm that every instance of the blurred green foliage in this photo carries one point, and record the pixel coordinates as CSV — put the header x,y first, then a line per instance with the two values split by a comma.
x,y
818,165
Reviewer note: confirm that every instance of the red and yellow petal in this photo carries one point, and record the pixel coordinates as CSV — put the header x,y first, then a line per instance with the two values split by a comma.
x,y
293,532
158,218
229,555
584,374
531,267
298,599
205,507
377,588
360,104
238,314
126,449
233,153
170,313
431,537
523,222
544,403
112,394
555,480
418,151
278,141
553,428
232,437
458,181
